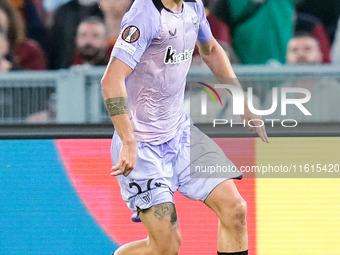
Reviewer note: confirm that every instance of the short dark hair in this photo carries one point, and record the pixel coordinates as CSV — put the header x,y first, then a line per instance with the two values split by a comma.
x,y
300,34
93,20
15,32
304,34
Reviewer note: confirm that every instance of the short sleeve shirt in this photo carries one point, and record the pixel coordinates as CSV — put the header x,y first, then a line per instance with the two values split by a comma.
x,y
158,45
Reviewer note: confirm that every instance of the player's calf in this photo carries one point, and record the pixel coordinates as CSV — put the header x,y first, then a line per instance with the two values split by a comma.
x,y
149,247
162,224
164,235
231,209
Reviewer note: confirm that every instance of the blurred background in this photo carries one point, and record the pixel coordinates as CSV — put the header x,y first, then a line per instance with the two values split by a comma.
x,y
56,196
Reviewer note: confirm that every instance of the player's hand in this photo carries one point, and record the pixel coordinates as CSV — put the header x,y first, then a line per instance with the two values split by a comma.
x,y
127,160
256,121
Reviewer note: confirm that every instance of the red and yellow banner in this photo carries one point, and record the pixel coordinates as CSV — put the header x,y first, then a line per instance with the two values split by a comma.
x,y
285,215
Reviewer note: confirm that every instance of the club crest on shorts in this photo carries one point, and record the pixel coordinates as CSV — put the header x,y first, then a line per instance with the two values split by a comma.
x,y
146,196
131,34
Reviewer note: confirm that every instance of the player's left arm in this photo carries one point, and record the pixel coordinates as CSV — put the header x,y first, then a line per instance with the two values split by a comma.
x,y
217,60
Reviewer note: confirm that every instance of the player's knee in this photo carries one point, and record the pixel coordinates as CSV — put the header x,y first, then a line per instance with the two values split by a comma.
x,y
234,217
240,214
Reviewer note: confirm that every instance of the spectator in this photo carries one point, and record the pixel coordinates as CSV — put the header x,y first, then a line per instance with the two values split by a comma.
x,y
32,15
5,65
24,52
304,49
91,43
260,29
307,23
113,14
63,32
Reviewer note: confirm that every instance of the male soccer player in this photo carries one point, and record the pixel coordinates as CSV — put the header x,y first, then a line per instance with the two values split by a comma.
x,y
154,142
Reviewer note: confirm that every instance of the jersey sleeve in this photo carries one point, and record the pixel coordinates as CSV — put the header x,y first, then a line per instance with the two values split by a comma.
x,y
204,31
138,29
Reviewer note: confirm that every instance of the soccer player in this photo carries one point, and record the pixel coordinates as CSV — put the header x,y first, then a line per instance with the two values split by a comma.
x,y
154,142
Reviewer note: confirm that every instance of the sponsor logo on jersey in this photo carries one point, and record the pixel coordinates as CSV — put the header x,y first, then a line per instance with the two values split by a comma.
x,y
172,58
131,34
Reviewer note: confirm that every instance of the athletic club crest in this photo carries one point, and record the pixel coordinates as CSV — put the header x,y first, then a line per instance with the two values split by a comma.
x,y
146,196
195,22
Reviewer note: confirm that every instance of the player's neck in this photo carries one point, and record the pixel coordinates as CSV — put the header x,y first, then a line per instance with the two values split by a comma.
x,y
173,5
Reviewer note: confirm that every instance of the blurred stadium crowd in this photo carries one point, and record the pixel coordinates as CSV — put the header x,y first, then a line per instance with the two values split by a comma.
x,y
60,34
55,34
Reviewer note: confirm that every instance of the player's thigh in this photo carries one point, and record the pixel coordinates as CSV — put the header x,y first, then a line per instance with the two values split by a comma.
x,y
208,168
226,201
163,229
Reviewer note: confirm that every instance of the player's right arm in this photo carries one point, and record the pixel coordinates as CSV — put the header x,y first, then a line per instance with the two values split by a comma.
x,y
140,25
115,96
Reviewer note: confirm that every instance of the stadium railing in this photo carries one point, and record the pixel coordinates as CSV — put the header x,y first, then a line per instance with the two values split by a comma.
x,y
73,96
